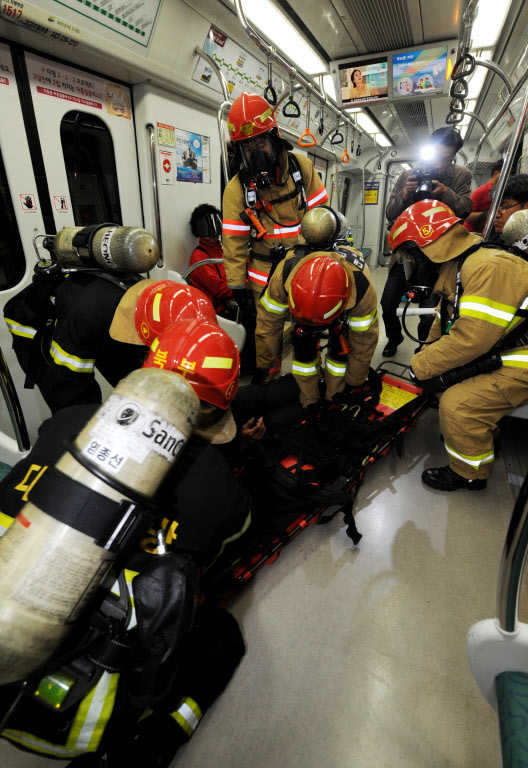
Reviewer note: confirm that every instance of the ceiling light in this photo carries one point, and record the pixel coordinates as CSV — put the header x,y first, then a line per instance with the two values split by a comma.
x,y
329,87
383,141
279,31
366,123
463,131
476,81
488,23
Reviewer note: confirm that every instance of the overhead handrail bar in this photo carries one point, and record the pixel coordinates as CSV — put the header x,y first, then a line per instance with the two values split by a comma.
x,y
283,62
502,111
497,70
13,406
154,168
468,18
506,167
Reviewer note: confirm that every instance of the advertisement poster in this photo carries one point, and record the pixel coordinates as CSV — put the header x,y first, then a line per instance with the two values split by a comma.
x,y
419,73
189,157
371,192
58,81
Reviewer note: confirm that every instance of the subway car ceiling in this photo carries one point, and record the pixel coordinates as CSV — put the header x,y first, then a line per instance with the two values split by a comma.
x,y
334,29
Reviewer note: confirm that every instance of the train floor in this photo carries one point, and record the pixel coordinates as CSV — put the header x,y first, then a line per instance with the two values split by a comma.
x,y
356,655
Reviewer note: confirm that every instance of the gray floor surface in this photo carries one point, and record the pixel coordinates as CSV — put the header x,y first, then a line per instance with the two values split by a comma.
x,y
356,655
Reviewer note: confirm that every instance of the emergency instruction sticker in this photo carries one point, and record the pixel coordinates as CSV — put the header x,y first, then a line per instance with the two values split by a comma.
x,y
166,135
125,430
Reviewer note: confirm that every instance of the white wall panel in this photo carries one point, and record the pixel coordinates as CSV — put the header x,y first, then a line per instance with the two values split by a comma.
x,y
153,105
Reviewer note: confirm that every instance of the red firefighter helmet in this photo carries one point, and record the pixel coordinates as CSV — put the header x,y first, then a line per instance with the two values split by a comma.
x,y
422,223
166,302
203,354
250,115
319,291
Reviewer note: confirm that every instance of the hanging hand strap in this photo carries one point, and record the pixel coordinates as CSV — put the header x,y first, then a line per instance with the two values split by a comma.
x,y
270,94
291,108
307,139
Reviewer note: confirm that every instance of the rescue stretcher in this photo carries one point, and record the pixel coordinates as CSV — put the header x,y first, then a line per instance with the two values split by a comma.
x,y
400,405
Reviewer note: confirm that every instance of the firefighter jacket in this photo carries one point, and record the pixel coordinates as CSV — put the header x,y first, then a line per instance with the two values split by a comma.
x,y
61,336
211,278
282,221
361,316
107,718
494,286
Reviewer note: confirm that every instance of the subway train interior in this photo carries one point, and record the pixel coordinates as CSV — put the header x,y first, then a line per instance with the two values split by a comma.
x,y
117,112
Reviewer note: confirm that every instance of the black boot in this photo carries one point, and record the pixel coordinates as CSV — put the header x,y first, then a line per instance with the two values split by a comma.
x,y
391,347
445,479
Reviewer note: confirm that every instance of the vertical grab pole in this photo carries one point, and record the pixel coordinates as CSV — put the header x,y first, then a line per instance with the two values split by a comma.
x,y
508,162
154,167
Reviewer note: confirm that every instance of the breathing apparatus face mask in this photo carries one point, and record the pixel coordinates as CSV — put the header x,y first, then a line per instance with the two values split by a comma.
x,y
420,272
209,225
259,155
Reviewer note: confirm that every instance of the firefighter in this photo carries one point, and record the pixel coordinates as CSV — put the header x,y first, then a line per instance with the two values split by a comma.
x,y
484,296
134,696
59,323
264,203
324,286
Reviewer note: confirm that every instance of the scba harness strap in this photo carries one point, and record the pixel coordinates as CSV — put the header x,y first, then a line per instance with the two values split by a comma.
x,y
255,202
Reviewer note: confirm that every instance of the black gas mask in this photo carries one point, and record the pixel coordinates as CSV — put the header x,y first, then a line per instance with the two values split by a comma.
x,y
259,156
208,225
420,272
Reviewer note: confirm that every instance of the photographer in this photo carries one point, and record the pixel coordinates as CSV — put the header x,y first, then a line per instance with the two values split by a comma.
x,y
441,179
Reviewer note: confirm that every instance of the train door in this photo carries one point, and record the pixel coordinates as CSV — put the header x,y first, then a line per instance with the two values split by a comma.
x,y
86,131
20,220
84,149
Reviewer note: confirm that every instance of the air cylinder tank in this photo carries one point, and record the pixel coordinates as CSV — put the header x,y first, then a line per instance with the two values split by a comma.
x,y
49,570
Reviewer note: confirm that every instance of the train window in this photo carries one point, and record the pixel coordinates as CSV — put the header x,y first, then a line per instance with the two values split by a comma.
x,y
12,260
91,170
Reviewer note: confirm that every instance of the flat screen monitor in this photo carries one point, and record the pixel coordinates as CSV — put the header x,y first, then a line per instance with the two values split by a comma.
x,y
364,81
419,73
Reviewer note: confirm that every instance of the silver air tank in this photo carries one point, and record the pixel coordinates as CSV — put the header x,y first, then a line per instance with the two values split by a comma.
x,y
321,226
130,249
50,570
515,232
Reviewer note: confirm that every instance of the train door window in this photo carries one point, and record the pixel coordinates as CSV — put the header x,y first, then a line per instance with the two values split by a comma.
x,y
91,170
344,196
12,260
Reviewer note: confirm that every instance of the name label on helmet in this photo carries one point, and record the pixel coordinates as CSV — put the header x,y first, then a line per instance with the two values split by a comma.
x,y
125,430
105,248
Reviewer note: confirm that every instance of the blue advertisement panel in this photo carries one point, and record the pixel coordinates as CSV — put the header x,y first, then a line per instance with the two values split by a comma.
x,y
419,73
192,161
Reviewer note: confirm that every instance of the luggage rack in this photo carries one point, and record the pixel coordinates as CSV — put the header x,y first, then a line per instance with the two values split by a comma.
x,y
397,392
